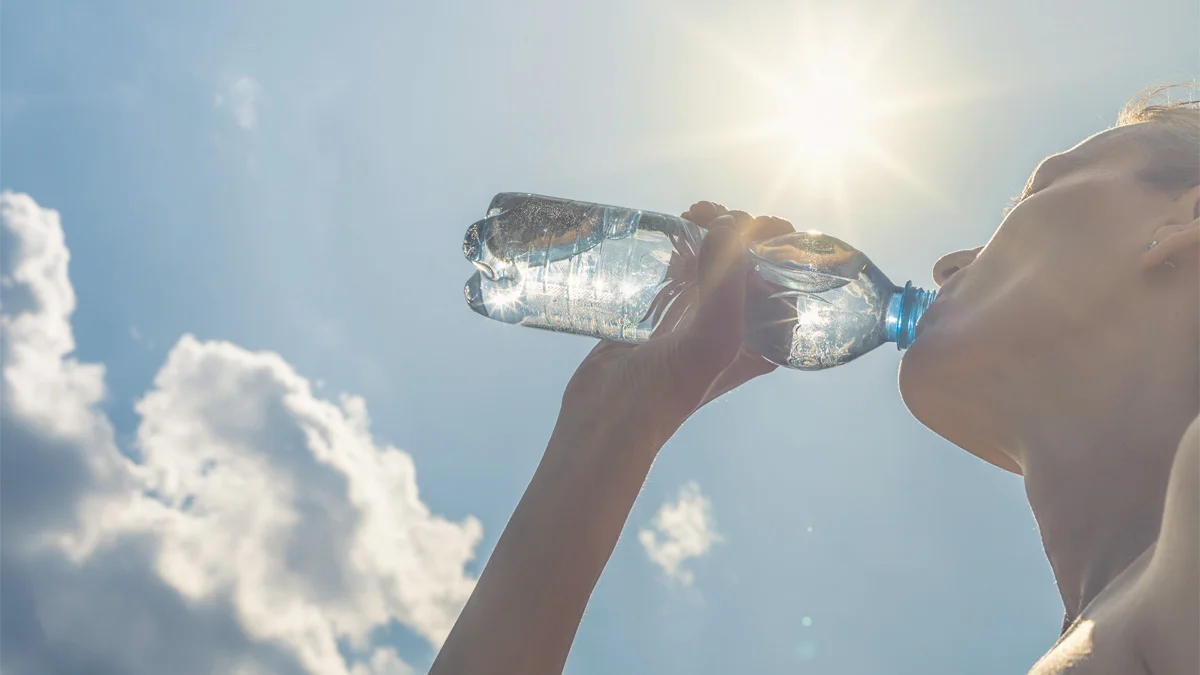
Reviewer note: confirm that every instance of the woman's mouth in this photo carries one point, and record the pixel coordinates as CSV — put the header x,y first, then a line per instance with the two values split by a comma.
x,y
930,316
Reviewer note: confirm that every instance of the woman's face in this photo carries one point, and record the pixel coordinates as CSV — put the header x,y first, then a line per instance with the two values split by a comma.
x,y
1059,282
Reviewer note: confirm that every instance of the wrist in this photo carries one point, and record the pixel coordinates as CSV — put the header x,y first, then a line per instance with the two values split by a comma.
x,y
616,433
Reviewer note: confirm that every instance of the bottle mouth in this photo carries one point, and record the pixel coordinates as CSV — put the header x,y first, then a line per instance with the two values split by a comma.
x,y
904,311
473,294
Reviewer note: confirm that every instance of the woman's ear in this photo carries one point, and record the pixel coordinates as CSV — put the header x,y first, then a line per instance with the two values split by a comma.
x,y
1178,241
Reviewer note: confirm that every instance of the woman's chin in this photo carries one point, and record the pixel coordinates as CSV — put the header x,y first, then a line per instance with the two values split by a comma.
x,y
929,374
916,370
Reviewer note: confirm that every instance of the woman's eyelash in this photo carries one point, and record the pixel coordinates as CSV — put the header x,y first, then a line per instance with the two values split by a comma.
x,y
1028,192
1013,202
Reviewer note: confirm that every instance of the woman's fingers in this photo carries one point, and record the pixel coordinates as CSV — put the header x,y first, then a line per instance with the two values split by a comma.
x,y
712,339
703,213
763,228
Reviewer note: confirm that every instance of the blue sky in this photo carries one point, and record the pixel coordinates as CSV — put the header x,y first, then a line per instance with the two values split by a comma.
x,y
295,178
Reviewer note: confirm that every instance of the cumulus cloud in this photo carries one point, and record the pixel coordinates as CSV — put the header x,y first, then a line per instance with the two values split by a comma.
x,y
680,531
240,96
253,527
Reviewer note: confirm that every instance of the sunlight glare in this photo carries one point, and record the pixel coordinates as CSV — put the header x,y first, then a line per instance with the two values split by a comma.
x,y
827,102
825,125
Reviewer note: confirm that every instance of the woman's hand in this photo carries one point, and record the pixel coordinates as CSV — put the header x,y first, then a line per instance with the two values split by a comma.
x,y
650,389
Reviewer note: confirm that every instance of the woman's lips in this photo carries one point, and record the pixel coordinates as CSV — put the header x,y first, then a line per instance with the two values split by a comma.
x,y
930,316
923,321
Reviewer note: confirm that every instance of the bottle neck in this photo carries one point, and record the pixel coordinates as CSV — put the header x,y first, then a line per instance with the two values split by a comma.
x,y
904,310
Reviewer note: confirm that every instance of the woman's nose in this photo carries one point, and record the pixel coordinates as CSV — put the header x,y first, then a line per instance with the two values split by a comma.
x,y
951,263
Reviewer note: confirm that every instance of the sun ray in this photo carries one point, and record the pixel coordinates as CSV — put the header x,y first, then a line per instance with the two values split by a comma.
x,y
945,96
841,204
771,80
884,39
782,180
904,172
698,144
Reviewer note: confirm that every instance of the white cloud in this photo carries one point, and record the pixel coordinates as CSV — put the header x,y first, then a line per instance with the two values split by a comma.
x,y
680,531
253,528
383,662
240,96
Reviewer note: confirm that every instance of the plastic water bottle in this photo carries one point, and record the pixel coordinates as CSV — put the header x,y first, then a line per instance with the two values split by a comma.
x,y
621,274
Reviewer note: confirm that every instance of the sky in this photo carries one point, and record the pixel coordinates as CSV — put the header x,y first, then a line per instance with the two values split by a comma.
x,y
250,427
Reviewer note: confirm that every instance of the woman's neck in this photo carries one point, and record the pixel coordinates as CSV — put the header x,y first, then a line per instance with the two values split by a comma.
x,y
1096,477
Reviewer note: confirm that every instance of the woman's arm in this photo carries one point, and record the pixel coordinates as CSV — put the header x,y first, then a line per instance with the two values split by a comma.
x,y
622,404
524,612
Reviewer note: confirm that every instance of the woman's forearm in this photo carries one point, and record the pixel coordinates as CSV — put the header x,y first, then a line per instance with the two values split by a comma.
x,y
619,408
524,612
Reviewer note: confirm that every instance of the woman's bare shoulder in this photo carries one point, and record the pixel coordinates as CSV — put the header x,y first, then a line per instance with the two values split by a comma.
x,y
1178,539
1170,586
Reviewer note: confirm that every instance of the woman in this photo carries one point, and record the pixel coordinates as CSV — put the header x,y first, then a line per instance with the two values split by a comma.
x,y
1066,350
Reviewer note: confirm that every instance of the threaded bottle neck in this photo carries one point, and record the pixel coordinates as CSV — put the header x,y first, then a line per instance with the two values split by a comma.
x,y
904,311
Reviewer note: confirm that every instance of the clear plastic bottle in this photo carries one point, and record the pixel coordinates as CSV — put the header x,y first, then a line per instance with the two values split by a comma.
x,y
622,274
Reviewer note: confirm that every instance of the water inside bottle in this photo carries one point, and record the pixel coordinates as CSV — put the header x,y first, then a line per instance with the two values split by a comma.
x,y
791,324
607,272
815,302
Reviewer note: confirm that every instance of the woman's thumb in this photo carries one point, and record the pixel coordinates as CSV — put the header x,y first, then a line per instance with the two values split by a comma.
x,y
712,338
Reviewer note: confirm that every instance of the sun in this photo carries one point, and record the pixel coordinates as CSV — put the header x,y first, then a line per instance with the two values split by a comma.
x,y
827,103
823,127
819,112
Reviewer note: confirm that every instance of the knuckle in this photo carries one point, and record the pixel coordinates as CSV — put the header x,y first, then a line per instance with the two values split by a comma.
x,y
771,226
742,218
704,212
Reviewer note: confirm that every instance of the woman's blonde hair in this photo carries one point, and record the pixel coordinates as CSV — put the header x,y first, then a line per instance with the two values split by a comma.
x,y
1175,166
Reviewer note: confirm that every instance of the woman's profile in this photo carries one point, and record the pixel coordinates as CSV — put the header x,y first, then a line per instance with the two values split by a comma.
x,y
1065,350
